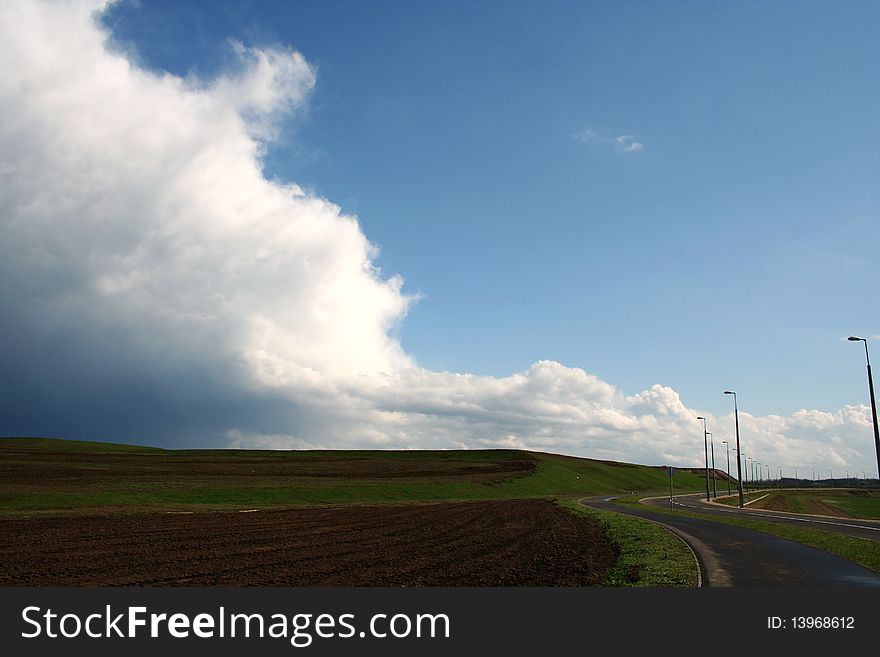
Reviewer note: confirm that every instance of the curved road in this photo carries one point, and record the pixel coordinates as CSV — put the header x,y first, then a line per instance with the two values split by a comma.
x,y
735,556
869,529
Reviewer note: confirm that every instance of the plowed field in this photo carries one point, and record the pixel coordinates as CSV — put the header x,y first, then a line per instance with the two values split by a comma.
x,y
485,543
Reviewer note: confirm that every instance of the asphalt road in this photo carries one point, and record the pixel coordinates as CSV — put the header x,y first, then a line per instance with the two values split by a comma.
x,y
735,556
869,529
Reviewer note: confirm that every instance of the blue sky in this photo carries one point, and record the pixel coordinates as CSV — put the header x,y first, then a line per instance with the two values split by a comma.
x,y
734,250
603,213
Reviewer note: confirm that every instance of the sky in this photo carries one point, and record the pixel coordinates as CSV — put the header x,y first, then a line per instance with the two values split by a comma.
x,y
565,226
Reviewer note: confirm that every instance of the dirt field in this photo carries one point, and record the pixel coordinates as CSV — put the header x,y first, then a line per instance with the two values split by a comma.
x,y
28,468
494,543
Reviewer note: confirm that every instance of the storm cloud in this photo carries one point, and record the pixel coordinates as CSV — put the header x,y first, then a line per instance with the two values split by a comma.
x,y
157,287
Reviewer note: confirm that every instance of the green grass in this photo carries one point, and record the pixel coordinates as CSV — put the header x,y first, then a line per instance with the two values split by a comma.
x,y
47,474
854,548
650,555
859,504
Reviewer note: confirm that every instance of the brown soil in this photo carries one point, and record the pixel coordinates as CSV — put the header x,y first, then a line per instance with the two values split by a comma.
x,y
820,508
773,502
494,543
23,469
778,502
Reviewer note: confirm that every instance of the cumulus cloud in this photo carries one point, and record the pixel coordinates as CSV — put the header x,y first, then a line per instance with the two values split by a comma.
x,y
137,199
620,143
157,287
271,83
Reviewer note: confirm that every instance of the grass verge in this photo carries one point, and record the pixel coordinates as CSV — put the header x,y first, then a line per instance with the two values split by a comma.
x,y
650,556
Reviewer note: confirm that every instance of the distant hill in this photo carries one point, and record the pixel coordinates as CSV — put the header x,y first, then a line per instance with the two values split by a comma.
x,y
49,474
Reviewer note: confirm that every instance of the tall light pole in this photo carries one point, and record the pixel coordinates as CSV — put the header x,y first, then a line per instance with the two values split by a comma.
x,y
738,471
855,338
706,448
712,447
739,457
727,446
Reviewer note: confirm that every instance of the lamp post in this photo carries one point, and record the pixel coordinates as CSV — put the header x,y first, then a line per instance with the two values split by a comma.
x,y
727,447
796,482
712,449
738,471
855,338
706,449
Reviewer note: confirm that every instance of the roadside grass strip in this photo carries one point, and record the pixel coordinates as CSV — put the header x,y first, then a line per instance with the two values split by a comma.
x,y
650,555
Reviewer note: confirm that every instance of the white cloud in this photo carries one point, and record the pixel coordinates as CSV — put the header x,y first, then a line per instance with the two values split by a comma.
x,y
152,277
587,136
620,143
142,195
271,83
627,144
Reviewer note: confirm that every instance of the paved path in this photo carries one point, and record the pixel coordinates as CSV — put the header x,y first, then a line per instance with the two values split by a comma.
x,y
735,556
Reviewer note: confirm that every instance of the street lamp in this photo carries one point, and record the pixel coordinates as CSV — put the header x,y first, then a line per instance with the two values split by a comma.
x,y
712,447
724,442
855,338
738,471
706,449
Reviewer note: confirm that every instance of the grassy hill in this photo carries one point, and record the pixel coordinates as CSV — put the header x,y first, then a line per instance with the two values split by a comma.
x,y
44,474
